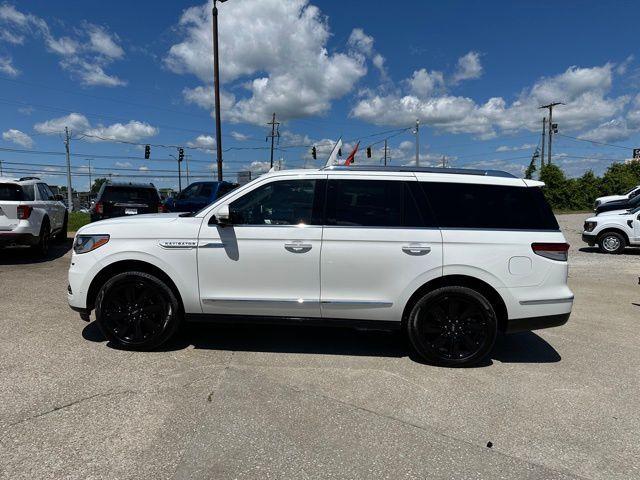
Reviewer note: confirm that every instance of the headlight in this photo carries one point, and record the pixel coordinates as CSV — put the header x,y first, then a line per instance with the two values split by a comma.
x,y
589,226
88,243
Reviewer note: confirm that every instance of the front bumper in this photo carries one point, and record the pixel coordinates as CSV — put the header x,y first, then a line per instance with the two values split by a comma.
x,y
536,323
589,238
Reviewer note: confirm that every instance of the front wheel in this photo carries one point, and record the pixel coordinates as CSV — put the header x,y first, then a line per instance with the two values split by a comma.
x,y
611,242
137,311
61,237
42,247
452,326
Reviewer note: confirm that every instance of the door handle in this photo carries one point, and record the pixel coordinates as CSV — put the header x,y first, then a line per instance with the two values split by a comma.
x,y
297,247
416,249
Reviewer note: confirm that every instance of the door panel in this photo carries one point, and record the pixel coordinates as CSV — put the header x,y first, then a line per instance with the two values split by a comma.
x,y
268,262
367,267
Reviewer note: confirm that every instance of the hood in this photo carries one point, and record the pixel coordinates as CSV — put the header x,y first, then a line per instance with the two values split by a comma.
x,y
611,198
146,220
613,213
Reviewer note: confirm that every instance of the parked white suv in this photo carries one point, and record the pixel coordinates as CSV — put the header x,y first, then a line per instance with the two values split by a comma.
x,y
451,256
613,231
30,214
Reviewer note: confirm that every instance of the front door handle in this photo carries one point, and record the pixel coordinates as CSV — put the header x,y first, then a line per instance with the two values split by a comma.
x,y
297,247
416,249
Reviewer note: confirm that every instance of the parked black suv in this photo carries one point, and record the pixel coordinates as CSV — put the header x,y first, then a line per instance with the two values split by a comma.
x,y
120,199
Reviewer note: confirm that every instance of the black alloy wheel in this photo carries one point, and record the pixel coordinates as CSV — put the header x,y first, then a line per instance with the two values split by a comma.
x,y
42,247
137,311
452,326
61,237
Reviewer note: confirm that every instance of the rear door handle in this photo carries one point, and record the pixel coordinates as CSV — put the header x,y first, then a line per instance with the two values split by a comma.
x,y
416,249
297,247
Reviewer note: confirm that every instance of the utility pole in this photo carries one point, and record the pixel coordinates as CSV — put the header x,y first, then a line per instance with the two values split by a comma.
x,y
0,168
186,158
216,86
417,132
275,132
444,161
550,123
385,152
89,160
544,139
67,140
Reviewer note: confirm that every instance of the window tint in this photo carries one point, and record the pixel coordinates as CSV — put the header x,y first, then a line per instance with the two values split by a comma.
x,y
206,191
285,202
29,192
458,205
45,193
189,192
374,203
123,194
11,192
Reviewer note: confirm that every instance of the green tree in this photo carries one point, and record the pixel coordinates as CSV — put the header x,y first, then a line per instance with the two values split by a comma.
x,y
558,188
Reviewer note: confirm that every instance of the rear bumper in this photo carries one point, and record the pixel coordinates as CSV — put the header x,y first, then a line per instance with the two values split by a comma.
x,y
7,239
536,323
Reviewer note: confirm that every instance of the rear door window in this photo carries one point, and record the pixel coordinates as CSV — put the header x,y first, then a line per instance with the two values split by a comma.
x,y
472,206
11,192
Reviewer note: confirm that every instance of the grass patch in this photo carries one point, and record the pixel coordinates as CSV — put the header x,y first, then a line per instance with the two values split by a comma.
x,y
77,220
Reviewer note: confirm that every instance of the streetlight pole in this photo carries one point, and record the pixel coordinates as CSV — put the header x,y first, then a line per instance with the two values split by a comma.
x,y
216,86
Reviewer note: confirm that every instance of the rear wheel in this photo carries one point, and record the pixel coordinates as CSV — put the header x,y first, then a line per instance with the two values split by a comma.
x,y
62,234
611,242
137,311
452,326
42,247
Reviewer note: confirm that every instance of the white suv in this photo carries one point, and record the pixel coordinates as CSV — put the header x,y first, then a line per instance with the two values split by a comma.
x,y
30,214
613,231
450,256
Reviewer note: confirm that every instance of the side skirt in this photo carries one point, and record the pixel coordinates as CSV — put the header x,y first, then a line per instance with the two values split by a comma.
x,y
301,321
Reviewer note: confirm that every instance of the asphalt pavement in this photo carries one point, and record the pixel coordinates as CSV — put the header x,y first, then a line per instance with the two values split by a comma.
x,y
307,403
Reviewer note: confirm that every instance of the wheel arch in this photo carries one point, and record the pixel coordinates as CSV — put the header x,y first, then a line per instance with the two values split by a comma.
x,y
127,266
614,230
474,283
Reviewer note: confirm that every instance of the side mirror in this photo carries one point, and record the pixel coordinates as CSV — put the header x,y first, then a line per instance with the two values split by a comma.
x,y
222,216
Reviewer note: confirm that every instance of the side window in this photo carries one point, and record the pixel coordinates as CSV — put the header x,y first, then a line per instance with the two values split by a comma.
x,y
49,192
29,192
460,205
376,203
189,192
205,192
44,194
284,202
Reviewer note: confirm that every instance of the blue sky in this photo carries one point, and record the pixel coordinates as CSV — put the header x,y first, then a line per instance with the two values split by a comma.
x,y
473,72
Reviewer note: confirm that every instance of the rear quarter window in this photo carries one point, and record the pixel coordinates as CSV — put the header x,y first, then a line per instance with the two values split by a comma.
x,y
129,195
472,206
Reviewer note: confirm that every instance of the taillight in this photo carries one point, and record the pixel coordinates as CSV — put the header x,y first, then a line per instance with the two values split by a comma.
x,y
99,208
24,212
552,251
160,208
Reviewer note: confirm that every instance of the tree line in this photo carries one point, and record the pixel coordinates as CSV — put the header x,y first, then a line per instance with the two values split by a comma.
x,y
564,193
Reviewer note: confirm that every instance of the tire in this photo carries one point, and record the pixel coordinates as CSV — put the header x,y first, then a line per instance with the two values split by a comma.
x,y
61,236
137,311
452,327
42,247
612,242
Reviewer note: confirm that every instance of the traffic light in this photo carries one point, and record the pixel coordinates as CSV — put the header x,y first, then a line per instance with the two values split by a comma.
x,y
554,127
180,154
368,152
314,153
147,152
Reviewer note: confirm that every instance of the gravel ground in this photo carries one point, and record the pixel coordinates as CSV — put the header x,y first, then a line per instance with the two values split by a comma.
x,y
318,403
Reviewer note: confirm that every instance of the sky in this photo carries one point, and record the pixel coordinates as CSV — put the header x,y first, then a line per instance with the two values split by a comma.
x,y
120,75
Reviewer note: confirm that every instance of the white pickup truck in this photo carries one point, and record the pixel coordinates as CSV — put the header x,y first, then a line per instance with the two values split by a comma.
x,y
30,214
613,231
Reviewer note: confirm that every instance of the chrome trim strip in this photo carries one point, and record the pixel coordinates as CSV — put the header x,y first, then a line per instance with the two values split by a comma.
x,y
289,301
211,245
358,303
549,301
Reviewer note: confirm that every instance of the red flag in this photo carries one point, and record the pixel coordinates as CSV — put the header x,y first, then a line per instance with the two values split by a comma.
x,y
352,156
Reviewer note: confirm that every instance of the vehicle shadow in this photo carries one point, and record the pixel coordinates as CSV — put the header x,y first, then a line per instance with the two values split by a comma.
x,y
626,251
525,347
25,256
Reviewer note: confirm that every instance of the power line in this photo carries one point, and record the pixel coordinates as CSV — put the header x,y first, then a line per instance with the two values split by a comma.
x,y
595,141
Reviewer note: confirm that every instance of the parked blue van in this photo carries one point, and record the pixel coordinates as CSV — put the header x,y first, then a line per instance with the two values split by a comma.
x,y
197,196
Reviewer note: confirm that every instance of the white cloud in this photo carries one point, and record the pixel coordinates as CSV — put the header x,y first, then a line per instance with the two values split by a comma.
x,y
281,60
74,121
18,137
132,131
206,142
124,164
7,67
241,137
506,148
361,42
612,131
423,84
143,168
469,67
84,53
622,68
585,92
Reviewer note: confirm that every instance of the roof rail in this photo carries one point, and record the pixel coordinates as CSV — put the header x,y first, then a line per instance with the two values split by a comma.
x,y
24,179
457,171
